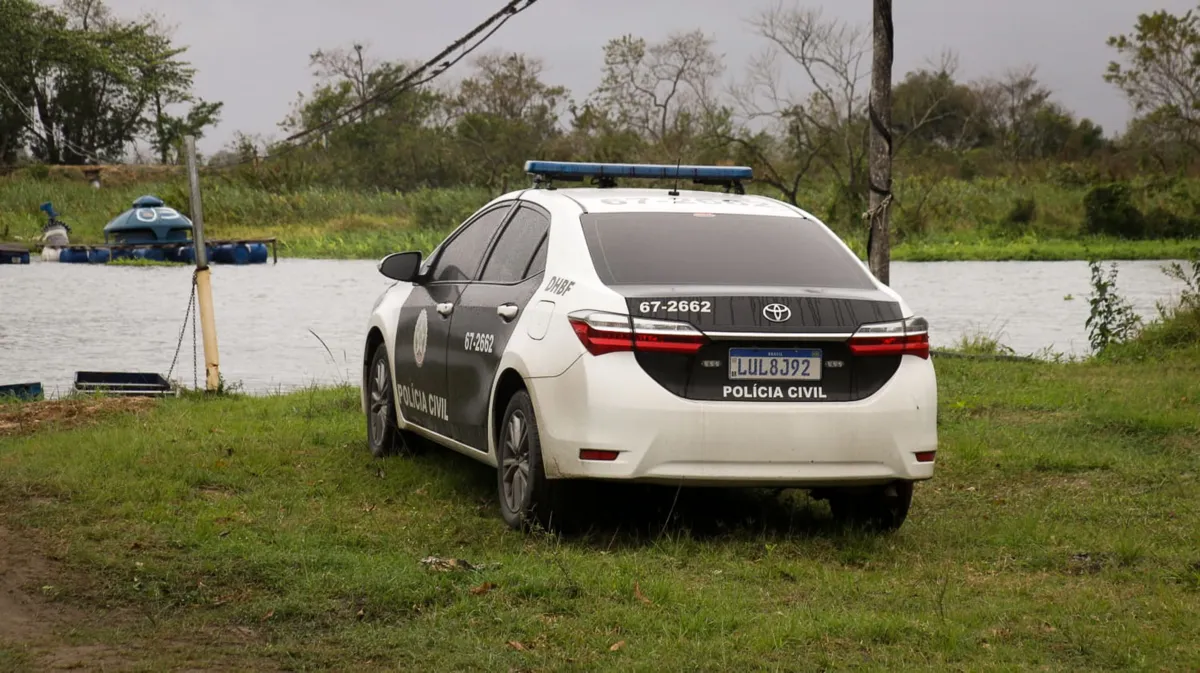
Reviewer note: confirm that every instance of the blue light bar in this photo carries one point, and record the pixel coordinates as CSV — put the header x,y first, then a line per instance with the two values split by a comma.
x,y
570,170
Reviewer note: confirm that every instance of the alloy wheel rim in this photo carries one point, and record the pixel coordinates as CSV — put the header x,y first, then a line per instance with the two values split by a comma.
x,y
380,399
515,465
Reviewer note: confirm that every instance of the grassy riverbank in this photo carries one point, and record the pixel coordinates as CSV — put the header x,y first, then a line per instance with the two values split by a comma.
x,y
1061,533
985,219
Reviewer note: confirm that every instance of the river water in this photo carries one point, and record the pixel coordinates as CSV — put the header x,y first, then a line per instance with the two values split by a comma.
x,y
56,319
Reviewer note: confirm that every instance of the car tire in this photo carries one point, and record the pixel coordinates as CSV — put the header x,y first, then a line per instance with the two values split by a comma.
x,y
528,499
384,436
880,508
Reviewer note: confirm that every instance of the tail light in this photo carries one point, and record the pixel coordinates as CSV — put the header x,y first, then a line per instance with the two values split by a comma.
x,y
903,337
601,333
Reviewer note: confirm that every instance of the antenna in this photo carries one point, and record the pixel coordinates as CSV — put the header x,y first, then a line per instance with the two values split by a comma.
x,y
675,190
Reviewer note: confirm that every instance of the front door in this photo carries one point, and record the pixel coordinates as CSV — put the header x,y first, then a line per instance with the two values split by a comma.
x,y
423,328
485,317
422,334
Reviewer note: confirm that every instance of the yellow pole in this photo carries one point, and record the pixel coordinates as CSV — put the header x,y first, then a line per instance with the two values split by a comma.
x,y
212,364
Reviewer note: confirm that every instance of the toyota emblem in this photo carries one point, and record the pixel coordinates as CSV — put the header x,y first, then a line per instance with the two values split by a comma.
x,y
777,313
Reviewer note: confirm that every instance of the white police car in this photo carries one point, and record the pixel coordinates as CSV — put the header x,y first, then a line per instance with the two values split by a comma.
x,y
654,335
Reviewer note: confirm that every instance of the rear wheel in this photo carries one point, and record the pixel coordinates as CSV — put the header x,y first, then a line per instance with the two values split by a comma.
x,y
383,436
527,497
880,508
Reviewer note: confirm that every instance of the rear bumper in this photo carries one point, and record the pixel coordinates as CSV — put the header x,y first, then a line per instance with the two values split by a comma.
x,y
610,403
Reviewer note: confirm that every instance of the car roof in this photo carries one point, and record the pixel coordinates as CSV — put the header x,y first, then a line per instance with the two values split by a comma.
x,y
641,200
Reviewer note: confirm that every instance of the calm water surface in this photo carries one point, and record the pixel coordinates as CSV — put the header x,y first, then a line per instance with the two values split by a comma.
x,y
56,319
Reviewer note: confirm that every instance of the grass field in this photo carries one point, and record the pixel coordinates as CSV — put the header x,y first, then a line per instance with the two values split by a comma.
x,y
933,220
1061,532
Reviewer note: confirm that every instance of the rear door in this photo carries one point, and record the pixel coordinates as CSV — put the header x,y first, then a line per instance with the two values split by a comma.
x,y
423,328
777,296
485,317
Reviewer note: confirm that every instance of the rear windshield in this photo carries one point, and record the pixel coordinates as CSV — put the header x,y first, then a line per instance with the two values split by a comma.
x,y
718,249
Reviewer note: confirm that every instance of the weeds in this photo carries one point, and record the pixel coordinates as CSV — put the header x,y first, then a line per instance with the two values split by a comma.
x,y
1112,319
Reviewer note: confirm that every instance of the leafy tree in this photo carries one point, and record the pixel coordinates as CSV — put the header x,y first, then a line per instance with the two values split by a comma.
x,y
18,34
1161,72
933,111
504,114
92,83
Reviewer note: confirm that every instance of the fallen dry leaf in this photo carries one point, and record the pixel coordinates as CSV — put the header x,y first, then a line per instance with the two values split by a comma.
x,y
516,646
483,588
446,564
616,646
637,592
270,614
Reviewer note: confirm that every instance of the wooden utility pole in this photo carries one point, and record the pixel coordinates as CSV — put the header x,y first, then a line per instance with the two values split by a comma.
x,y
879,249
212,368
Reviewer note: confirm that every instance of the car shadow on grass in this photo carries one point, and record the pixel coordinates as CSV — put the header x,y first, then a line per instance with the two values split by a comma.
x,y
613,515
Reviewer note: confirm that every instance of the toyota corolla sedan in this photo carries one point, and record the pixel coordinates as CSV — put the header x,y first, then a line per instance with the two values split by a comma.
x,y
694,338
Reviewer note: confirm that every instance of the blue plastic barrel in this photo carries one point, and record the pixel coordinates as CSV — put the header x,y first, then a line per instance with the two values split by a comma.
x,y
14,256
153,254
258,253
231,253
120,253
185,254
97,256
73,256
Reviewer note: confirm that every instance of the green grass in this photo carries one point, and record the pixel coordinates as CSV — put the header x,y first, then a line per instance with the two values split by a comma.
x,y
934,220
1061,532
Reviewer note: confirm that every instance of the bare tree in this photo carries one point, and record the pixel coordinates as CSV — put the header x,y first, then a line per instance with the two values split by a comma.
x,y
660,91
878,243
1012,102
820,124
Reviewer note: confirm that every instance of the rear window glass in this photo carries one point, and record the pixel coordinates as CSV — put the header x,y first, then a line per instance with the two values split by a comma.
x,y
718,249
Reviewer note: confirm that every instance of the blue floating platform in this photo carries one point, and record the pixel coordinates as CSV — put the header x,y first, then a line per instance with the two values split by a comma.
x,y
26,392
239,252
13,254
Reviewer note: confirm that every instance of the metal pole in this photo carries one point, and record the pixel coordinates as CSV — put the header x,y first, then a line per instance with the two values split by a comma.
x,y
208,326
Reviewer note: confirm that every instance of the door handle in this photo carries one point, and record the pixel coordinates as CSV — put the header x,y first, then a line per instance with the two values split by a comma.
x,y
445,309
507,311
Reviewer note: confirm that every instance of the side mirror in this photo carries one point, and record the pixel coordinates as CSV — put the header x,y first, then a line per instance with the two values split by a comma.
x,y
401,266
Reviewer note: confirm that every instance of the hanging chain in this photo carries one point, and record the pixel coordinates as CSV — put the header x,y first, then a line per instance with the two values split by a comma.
x,y
195,377
189,315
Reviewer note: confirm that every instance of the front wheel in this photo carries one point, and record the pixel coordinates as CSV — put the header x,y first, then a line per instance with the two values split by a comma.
x,y
383,436
527,497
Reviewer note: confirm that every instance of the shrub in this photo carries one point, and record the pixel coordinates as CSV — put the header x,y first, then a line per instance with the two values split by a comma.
x,y
444,208
1162,223
1109,210
1022,212
1071,176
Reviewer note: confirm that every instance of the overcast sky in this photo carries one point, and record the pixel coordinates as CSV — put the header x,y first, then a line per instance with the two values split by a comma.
x,y
253,54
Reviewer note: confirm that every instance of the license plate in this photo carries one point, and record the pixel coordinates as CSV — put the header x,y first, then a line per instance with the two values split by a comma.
x,y
765,364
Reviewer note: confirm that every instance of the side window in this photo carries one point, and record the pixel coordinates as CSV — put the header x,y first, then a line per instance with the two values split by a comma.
x,y
538,263
460,259
515,249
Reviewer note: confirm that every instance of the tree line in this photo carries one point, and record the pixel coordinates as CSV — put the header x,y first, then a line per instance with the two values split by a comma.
x,y
85,85
797,113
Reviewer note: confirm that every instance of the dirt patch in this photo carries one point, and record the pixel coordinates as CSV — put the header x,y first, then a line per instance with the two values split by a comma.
x,y
28,418
20,564
51,630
